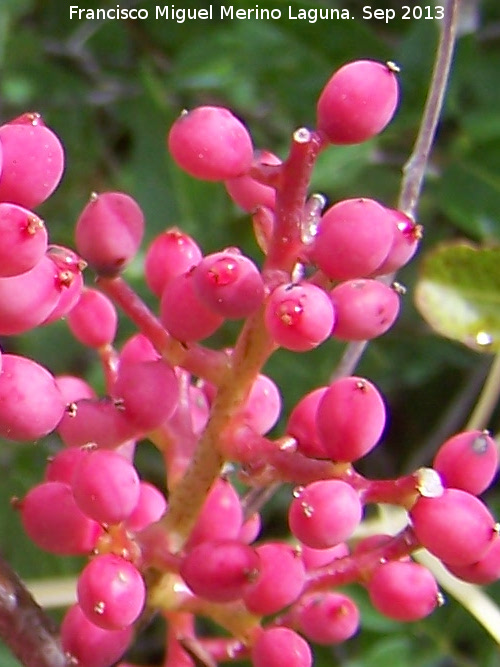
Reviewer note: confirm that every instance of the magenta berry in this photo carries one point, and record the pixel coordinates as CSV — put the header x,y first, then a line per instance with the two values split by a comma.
x,y
170,254
33,161
31,405
324,513
350,418
328,618
111,592
248,193
184,314
358,101
364,309
229,284
403,591
302,425
468,461
354,238
24,239
281,646
53,520
299,317
210,143
109,231
90,645
106,486
280,581
220,570
147,392
456,526
93,320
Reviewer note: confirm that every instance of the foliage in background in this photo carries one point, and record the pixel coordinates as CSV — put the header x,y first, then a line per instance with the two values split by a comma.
x,y
111,89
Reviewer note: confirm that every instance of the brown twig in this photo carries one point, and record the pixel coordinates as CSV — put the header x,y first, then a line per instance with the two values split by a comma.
x,y
24,627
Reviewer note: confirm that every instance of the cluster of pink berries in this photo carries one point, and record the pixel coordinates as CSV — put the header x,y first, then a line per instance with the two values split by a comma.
x,y
326,274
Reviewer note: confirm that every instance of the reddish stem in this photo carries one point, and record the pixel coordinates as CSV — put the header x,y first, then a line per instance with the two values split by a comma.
x,y
202,362
359,567
290,199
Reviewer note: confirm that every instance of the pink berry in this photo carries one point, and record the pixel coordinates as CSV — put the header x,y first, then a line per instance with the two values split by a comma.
x,y
31,405
456,526
221,516
280,646
93,320
170,254
358,101
69,276
138,348
354,238
210,143
249,193
27,300
262,408
89,645
299,317
73,388
350,418
96,420
302,425
148,392
407,235
468,461
24,239
62,466
220,570
184,315
484,571
53,520
33,161
111,592
106,486
324,513
109,231
280,581
328,618
404,591
364,309
229,283
150,507
314,558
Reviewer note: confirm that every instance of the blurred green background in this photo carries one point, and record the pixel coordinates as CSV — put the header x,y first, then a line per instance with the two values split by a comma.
x,y
110,90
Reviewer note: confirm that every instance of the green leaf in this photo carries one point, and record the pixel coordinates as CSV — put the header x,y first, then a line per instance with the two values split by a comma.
x,y
458,294
470,197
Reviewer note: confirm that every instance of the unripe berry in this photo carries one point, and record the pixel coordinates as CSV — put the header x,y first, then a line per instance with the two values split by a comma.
x,y
220,570
280,646
354,237
109,231
210,143
299,317
468,461
456,526
33,161
170,254
350,418
111,592
229,284
404,591
106,486
358,101
93,321
89,645
324,513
